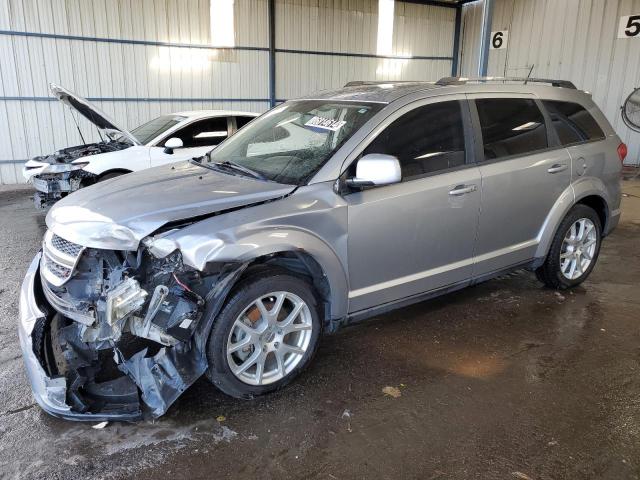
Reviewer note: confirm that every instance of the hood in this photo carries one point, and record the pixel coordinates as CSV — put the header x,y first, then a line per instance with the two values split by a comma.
x,y
116,214
89,111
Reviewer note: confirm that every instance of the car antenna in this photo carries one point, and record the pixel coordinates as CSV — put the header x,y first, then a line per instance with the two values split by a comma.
x,y
529,74
75,120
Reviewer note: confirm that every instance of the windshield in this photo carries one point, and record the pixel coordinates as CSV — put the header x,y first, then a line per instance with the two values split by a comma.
x,y
291,142
150,130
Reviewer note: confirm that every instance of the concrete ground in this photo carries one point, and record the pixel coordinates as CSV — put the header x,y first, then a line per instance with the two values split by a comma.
x,y
505,380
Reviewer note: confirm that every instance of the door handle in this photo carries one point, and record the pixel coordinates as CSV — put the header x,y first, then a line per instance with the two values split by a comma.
x,y
462,189
558,167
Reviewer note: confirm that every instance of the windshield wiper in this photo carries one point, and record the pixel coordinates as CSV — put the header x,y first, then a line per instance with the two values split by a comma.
x,y
240,168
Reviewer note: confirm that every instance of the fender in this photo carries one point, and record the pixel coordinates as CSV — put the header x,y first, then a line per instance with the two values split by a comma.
x,y
223,249
582,188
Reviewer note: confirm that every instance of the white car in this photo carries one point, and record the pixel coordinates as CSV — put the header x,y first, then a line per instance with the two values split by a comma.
x,y
166,139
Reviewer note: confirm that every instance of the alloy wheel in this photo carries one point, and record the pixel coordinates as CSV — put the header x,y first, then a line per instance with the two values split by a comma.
x,y
269,338
578,248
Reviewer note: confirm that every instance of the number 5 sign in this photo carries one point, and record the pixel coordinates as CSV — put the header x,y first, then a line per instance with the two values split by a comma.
x,y
499,39
629,27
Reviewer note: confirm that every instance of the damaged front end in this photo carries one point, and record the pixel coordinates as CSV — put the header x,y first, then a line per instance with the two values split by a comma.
x,y
61,173
115,335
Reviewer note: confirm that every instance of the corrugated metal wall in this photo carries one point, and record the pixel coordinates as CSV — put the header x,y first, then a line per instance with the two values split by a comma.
x,y
570,39
137,59
132,78
350,26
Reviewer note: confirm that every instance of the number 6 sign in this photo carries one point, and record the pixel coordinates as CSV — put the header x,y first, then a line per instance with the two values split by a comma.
x,y
499,39
629,27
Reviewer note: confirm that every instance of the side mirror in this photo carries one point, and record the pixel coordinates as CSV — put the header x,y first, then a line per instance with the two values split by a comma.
x,y
376,169
171,144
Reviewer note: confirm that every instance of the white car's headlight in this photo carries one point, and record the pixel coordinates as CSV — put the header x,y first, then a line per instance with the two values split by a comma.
x,y
64,167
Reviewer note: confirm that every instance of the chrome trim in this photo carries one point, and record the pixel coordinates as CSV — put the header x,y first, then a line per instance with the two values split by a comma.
x,y
64,307
61,259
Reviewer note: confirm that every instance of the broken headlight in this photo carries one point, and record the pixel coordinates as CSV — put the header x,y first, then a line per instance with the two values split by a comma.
x,y
64,167
123,300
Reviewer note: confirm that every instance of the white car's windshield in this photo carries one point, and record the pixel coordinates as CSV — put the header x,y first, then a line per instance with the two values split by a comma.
x,y
292,141
150,130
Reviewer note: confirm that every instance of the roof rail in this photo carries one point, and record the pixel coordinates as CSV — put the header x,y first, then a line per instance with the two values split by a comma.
x,y
446,81
359,83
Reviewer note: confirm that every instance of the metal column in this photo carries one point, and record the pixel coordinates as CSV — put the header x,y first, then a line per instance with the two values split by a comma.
x,y
456,41
272,52
485,37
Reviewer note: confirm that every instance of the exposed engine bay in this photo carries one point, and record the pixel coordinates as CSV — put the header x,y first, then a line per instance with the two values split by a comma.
x,y
126,330
55,176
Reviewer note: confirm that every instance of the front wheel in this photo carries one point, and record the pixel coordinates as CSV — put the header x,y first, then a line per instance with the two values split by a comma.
x,y
265,335
574,249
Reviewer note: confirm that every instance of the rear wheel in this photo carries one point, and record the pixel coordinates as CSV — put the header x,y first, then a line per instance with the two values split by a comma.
x,y
574,250
265,335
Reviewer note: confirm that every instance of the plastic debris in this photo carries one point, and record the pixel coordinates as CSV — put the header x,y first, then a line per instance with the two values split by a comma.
x,y
392,392
221,418
521,475
100,426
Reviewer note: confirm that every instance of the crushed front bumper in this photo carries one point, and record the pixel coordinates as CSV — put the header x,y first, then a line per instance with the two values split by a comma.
x,y
52,187
50,393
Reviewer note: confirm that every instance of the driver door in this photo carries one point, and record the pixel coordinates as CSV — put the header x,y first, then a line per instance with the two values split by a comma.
x,y
417,235
198,138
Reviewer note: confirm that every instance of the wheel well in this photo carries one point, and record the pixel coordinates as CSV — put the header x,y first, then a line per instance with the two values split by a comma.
x,y
115,170
599,205
301,264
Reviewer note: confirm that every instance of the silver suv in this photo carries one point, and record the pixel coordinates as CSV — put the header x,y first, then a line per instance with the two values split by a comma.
x,y
323,211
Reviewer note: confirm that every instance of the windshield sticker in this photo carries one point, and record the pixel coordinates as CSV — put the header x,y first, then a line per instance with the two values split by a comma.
x,y
325,124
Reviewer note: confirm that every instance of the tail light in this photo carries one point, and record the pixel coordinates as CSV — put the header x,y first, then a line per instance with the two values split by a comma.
x,y
622,152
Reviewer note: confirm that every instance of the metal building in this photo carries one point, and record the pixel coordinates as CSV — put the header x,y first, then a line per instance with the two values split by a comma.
x,y
138,59
575,40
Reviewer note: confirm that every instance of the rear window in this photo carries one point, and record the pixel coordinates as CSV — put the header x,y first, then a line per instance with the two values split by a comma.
x,y
511,126
573,123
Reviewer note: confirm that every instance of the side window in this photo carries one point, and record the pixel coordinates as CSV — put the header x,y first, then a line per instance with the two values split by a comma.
x,y
203,133
573,123
511,126
242,121
425,140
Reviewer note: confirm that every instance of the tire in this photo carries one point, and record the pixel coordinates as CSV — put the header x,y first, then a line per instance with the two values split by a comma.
x,y
555,272
267,336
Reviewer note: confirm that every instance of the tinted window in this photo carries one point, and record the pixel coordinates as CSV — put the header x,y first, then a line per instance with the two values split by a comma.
x,y
573,123
511,126
203,133
242,121
150,130
425,140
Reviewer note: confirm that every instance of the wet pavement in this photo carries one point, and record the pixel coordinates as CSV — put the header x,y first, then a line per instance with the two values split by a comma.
x,y
504,380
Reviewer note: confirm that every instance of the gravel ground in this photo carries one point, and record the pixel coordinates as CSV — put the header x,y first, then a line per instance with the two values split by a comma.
x,y
503,380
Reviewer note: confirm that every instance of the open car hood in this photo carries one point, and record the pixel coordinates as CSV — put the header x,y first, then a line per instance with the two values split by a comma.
x,y
89,111
116,214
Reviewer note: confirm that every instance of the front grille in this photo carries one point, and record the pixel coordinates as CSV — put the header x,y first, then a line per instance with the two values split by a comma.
x,y
65,246
59,258
58,270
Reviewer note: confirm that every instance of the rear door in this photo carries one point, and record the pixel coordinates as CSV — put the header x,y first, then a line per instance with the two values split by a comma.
x,y
524,172
417,235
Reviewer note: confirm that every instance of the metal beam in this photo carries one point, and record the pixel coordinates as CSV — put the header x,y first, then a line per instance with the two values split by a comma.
x,y
485,37
55,36
434,3
456,42
272,52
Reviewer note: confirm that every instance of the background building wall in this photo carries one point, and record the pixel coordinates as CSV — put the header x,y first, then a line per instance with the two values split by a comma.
x,y
570,39
137,59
